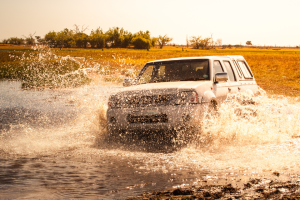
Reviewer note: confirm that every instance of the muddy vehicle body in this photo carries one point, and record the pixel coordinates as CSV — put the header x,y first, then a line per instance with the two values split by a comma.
x,y
173,93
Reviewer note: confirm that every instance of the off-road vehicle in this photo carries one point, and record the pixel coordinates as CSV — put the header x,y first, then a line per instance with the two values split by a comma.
x,y
173,93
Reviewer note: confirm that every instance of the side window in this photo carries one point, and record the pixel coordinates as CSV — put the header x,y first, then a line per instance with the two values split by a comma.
x,y
217,67
147,75
229,71
238,69
245,69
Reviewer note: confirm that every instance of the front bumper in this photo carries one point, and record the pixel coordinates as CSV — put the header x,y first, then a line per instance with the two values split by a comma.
x,y
118,119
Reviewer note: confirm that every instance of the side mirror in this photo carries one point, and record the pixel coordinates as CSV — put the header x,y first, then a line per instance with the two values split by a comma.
x,y
219,77
128,82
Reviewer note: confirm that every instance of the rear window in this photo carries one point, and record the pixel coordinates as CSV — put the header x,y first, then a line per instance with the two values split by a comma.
x,y
245,69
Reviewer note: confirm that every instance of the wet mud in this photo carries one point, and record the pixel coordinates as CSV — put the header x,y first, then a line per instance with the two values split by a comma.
x,y
253,189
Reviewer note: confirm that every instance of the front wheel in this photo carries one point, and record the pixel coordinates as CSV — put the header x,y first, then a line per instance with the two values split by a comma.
x,y
212,109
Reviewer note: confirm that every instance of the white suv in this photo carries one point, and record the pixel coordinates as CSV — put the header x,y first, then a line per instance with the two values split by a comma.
x,y
172,93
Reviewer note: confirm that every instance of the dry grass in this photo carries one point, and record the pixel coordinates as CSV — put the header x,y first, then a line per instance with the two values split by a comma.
x,y
14,47
277,72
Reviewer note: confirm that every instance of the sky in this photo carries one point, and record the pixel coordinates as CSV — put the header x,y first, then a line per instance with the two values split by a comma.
x,y
263,22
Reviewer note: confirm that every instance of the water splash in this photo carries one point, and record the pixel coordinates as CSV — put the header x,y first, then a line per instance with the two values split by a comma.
x,y
45,122
243,120
43,67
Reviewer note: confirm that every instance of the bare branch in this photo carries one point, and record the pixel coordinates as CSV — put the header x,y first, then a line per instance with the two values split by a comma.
x,y
29,36
83,29
78,30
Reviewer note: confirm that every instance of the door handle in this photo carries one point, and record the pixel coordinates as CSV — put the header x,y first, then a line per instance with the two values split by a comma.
x,y
229,89
239,88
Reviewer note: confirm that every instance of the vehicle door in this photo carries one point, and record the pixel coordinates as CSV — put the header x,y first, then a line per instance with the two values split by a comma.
x,y
220,88
233,84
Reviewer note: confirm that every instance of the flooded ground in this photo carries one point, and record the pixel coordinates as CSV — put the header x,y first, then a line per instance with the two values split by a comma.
x,y
51,145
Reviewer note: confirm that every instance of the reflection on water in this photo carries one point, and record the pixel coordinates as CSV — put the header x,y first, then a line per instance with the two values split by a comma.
x,y
51,146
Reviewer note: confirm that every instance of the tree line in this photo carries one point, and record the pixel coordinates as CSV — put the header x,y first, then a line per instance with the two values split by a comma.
x,y
115,38
19,41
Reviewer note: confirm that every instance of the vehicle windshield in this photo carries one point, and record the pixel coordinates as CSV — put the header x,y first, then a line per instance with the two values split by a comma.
x,y
186,70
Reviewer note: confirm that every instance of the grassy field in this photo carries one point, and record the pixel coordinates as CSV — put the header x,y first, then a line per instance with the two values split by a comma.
x,y
276,70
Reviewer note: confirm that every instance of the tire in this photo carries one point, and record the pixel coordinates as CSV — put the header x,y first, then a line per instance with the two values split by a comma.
x,y
212,109
213,106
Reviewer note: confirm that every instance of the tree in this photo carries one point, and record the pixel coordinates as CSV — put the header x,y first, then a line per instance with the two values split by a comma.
x,y
60,38
42,41
153,41
205,42
78,30
69,38
248,43
126,40
29,39
65,38
4,41
197,42
97,38
163,40
141,43
145,34
15,41
81,40
118,37
142,40
79,37
50,39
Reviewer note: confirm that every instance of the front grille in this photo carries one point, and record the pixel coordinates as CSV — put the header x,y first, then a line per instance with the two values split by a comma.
x,y
162,118
147,100
162,99
132,100
153,100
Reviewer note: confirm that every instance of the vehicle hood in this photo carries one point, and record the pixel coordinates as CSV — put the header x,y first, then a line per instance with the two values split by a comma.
x,y
164,87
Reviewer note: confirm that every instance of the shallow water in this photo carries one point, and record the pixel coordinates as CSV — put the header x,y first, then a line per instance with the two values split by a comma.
x,y
51,145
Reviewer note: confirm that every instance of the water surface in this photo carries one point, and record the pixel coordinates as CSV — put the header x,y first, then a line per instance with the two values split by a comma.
x,y
51,145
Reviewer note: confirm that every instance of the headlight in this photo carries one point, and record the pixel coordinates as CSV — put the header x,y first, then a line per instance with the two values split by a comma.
x,y
194,97
187,98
